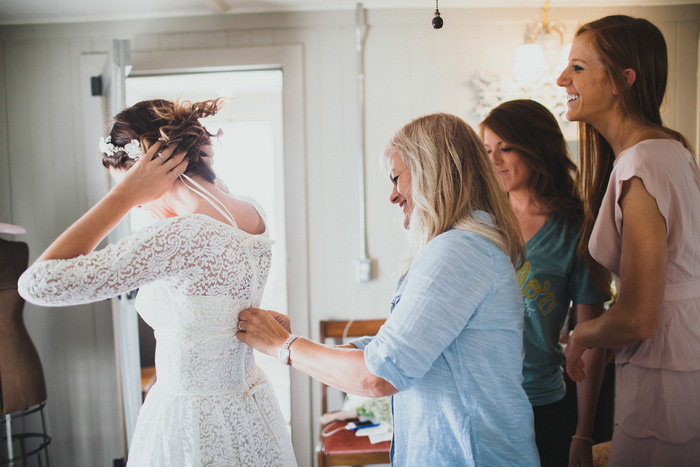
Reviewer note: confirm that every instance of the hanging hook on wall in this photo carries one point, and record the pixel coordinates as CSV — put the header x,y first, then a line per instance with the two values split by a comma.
x,y
437,21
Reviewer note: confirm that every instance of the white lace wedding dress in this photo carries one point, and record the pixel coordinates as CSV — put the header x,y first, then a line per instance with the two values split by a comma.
x,y
211,405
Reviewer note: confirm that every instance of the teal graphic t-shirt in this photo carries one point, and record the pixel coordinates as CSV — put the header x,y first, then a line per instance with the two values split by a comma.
x,y
551,278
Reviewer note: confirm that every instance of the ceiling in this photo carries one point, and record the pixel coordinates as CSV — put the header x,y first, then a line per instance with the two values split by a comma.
x,y
62,11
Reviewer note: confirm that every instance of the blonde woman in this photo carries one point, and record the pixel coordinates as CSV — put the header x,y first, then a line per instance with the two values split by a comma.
x,y
450,352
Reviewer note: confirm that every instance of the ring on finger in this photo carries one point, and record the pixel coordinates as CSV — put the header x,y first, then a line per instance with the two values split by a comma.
x,y
160,154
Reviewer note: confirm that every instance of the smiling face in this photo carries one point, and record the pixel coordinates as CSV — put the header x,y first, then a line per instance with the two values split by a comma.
x,y
401,190
590,92
513,173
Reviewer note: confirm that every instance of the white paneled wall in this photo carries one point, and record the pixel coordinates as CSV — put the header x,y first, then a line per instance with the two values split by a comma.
x,y
48,179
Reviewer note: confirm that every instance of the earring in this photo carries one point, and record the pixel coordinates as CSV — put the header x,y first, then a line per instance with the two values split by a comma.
x,y
437,21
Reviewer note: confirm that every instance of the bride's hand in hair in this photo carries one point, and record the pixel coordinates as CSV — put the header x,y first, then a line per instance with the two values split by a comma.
x,y
146,181
151,176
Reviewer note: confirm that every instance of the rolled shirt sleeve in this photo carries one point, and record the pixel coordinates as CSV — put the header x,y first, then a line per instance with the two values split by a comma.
x,y
361,342
403,350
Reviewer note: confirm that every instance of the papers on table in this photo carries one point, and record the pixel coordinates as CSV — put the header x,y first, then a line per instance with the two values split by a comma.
x,y
376,434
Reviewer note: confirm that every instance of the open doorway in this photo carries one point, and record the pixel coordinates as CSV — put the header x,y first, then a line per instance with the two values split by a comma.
x,y
248,159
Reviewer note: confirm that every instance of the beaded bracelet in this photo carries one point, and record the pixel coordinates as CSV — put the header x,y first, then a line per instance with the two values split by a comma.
x,y
583,438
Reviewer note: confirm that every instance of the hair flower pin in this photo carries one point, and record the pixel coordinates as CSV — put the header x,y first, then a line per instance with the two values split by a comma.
x,y
132,149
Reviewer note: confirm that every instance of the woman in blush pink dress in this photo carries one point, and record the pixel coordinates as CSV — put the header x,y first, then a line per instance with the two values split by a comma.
x,y
641,191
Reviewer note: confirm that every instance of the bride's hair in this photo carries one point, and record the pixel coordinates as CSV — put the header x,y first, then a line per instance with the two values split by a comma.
x,y
176,123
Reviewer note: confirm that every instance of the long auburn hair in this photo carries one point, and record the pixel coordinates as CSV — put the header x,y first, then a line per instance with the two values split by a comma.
x,y
452,177
531,129
622,42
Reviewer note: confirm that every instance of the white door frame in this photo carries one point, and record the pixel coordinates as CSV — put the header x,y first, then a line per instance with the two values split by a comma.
x,y
124,315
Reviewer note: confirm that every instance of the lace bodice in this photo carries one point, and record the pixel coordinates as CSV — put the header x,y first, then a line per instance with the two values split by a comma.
x,y
194,275
193,255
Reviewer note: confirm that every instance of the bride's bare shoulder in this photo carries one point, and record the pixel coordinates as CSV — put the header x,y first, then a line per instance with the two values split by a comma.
x,y
247,216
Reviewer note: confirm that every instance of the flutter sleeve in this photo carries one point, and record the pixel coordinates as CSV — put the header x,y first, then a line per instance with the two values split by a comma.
x,y
670,176
645,162
154,253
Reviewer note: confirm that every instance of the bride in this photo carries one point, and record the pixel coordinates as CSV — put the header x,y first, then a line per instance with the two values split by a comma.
x,y
207,258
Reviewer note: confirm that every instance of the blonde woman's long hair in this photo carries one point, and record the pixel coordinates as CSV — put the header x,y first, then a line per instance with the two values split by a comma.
x,y
452,178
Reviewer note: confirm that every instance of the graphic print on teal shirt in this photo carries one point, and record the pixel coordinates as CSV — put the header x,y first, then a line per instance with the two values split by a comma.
x,y
551,278
536,291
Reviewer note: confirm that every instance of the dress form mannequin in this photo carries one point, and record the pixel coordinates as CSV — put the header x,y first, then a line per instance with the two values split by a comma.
x,y
21,375
22,385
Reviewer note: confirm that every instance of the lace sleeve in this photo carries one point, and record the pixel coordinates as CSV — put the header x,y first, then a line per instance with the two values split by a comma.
x,y
156,252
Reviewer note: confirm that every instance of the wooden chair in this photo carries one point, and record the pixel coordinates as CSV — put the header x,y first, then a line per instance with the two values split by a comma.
x,y
343,447
148,379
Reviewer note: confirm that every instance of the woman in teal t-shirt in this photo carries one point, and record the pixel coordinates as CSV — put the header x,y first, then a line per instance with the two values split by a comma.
x,y
531,158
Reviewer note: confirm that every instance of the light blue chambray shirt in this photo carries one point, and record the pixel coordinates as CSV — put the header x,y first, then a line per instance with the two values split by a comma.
x,y
453,347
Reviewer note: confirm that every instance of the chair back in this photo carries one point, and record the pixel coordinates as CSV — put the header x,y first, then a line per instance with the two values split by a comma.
x,y
340,329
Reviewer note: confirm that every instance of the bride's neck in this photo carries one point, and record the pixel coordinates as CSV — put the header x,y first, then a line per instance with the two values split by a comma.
x,y
181,200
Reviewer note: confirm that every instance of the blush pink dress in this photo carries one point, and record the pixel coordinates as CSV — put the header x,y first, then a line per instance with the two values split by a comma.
x,y
657,407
